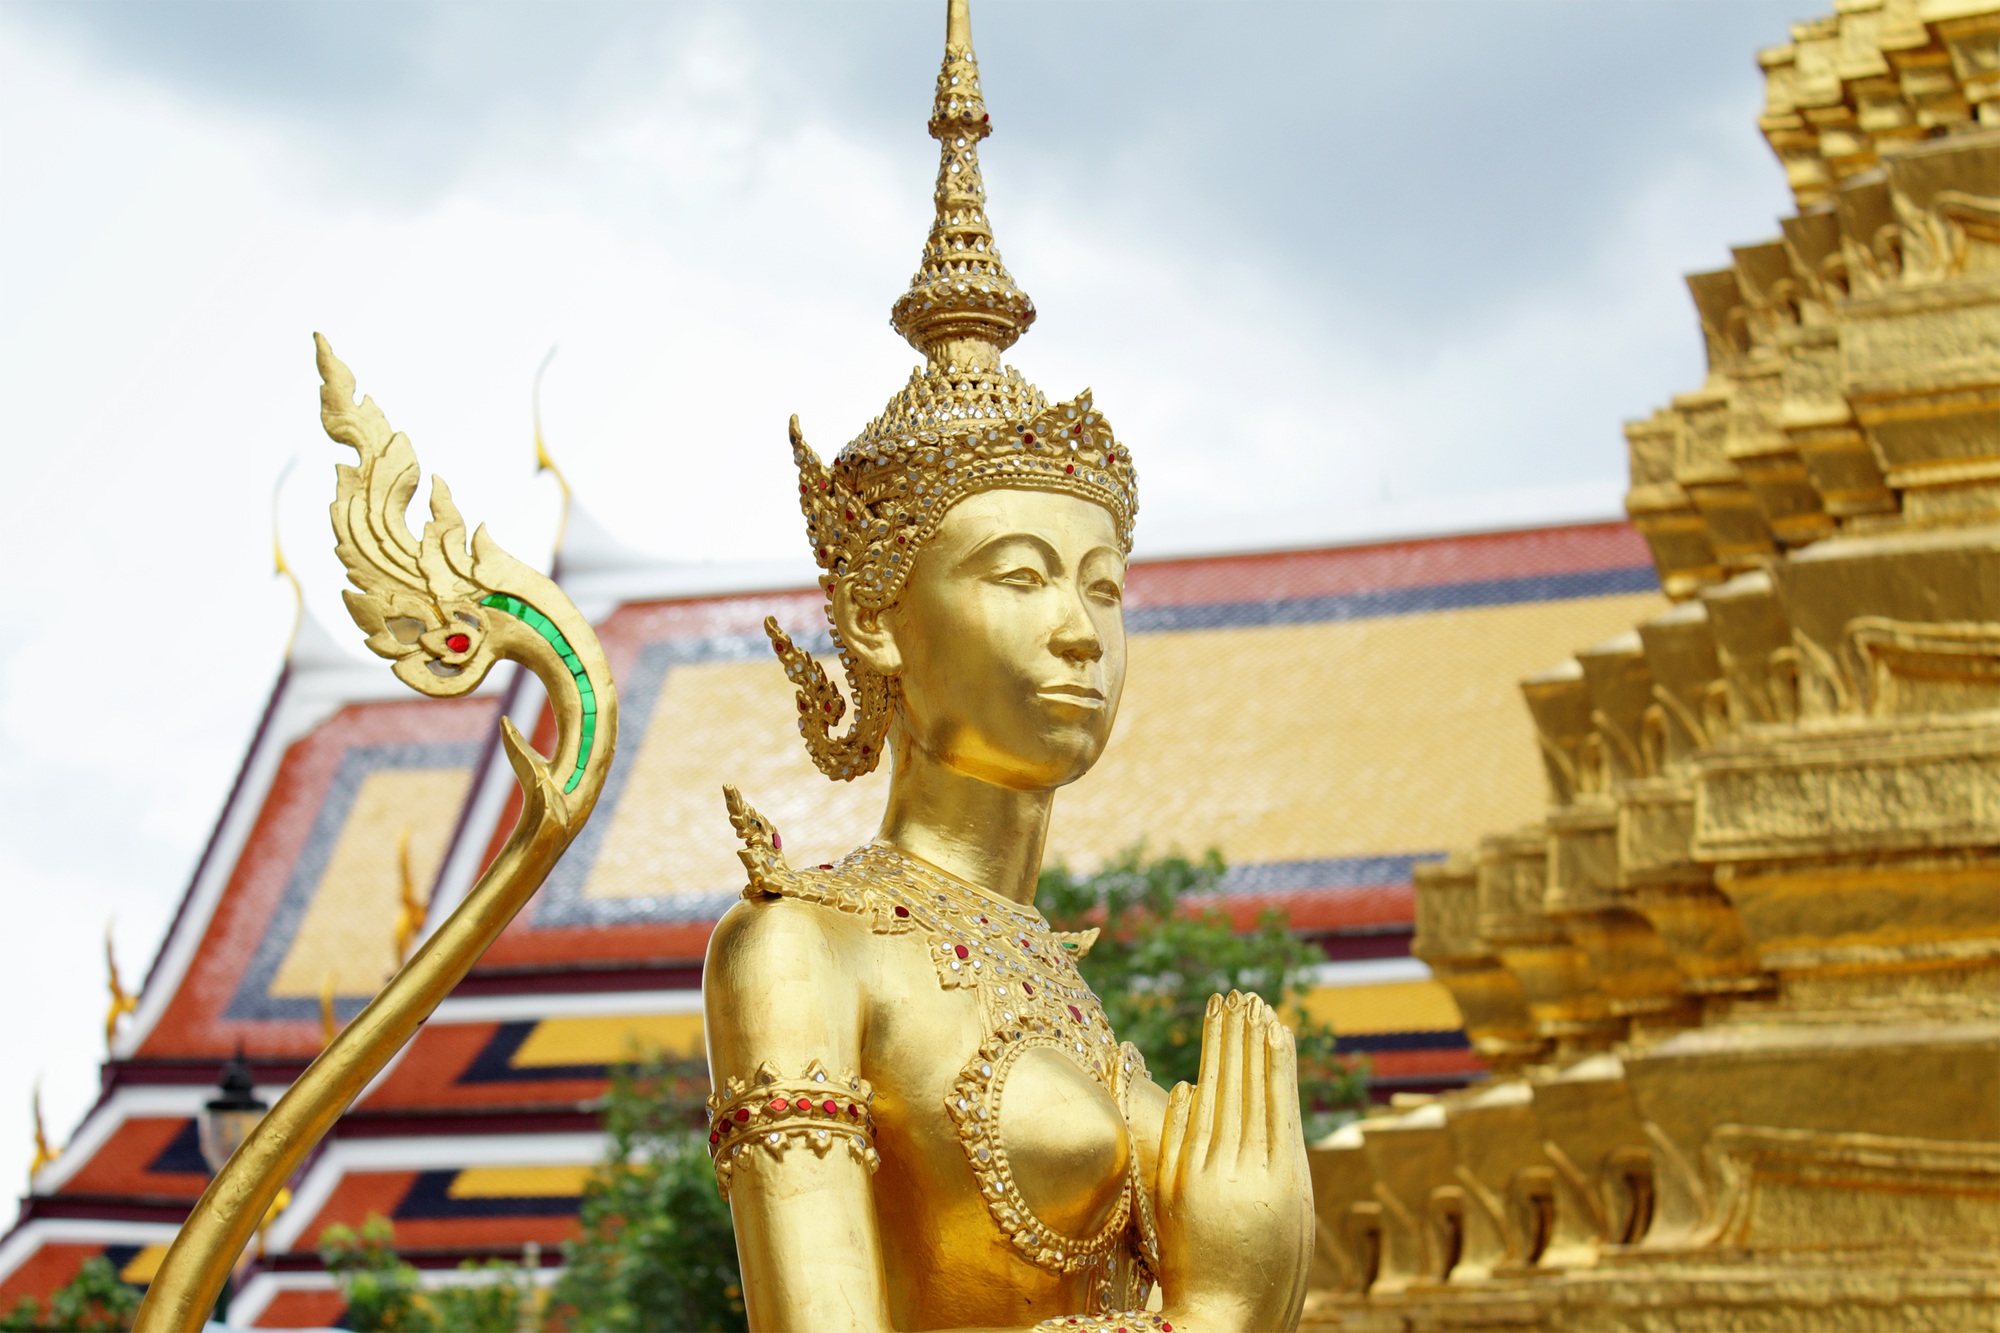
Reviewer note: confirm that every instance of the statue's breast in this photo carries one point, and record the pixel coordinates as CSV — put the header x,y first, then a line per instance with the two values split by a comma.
x,y
1065,1141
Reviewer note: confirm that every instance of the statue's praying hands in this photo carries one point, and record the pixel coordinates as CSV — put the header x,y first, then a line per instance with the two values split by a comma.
x,y
1234,1197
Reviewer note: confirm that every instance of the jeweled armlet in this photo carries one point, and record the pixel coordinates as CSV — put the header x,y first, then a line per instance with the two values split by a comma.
x,y
770,1114
1135,1321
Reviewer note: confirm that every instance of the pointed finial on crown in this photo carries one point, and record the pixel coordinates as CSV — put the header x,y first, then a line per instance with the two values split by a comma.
x,y
962,307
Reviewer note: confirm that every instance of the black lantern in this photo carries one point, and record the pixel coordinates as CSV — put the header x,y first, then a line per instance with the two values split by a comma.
x,y
227,1120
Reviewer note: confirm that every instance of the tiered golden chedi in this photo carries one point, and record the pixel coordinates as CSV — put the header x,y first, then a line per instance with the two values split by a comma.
x,y
1741,987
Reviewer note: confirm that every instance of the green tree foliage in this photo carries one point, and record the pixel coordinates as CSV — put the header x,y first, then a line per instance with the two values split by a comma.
x,y
96,1300
383,1294
1167,947
658,1250
502,1304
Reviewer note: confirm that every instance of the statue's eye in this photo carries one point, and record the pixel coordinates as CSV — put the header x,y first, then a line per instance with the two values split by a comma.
x,y
1107,591
1023,577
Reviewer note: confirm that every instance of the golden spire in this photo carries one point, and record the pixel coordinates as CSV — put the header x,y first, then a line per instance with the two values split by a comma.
x,y
544,463
329,1020
411,905
122,1001
43,1153
279,565
962,307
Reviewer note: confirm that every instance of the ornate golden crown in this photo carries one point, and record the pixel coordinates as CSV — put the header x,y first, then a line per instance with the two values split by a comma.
x,y
964,423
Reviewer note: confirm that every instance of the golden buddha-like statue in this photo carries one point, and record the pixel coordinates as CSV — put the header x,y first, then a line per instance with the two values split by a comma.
x,y
920,1116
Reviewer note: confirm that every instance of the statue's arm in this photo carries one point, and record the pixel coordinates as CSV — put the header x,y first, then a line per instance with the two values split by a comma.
x,y
780,991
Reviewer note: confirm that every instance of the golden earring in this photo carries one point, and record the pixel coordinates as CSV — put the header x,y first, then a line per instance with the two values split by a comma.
x,y
821,707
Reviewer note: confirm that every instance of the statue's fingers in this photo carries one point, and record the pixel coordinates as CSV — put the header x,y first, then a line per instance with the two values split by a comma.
x,y
1228,1141
1202,1126
1257,1137
1284,1109
1173,1142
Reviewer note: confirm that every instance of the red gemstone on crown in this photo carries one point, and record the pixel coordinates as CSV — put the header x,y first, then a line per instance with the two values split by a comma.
x,y
1075,1012
779,1103
713,1136
830,1106
1026,987
458,643
803,1104
1070,468
742,1114
777,843
961,950
901,910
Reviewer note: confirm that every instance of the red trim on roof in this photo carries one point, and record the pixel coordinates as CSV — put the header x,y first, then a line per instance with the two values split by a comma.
x,y
427,1076
361,1194
1368,908
1459,1064
119,1166
52,1265
1405,564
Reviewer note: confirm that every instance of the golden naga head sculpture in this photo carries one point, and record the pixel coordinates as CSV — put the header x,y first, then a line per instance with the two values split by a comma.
x,y
964,424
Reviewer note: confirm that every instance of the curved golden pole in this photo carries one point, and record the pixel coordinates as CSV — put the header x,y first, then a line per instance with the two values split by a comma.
x,y
445,616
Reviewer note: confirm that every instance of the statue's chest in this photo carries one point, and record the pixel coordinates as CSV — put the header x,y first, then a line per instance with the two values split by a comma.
x,y
1037,1104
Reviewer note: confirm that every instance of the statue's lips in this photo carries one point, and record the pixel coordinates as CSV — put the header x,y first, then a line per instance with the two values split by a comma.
x,y
1077,696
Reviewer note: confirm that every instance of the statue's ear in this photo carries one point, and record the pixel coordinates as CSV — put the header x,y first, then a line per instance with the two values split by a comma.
x,y
869,634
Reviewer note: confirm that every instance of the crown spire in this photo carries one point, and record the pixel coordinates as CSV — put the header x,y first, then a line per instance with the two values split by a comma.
x,y
962,307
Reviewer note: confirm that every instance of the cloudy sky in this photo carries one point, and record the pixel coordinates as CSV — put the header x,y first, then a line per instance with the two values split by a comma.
x,y
1332,269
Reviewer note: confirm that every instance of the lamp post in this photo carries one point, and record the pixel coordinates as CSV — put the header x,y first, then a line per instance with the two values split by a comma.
x,y
224,1123
227,1120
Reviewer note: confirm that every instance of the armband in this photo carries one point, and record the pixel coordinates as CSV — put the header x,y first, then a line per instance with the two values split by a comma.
x,y
771,1115
1136,1321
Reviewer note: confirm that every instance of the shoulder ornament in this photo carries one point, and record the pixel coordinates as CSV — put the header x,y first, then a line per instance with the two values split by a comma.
x,y
845,887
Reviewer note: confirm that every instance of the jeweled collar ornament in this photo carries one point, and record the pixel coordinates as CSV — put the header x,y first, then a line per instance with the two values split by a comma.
x,y
964,423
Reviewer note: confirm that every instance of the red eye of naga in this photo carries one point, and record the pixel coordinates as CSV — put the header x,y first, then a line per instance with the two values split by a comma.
x,y
458,643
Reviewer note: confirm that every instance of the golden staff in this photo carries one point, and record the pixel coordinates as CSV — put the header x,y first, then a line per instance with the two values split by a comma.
x,y
444,615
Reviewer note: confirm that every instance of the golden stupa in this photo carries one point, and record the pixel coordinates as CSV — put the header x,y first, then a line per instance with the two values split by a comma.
x,y
1740,986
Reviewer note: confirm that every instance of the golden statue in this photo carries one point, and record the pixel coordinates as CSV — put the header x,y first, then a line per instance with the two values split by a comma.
x,y
921,1117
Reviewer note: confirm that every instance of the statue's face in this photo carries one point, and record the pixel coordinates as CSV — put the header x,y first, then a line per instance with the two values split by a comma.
x,y
1011,630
